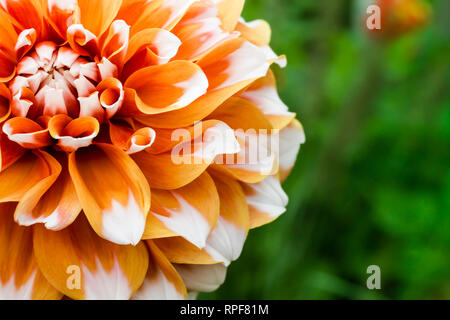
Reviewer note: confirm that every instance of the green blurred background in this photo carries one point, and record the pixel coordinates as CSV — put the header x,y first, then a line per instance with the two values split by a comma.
x,y
372,183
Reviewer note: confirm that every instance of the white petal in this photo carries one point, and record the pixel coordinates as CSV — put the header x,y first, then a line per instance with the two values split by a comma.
x,y
124,224
202,278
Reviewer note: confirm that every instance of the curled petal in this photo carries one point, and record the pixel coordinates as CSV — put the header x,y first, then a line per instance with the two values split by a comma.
x,y
27,133
73,134
162,280
116,44
82,40
266,200
171,86
141,140
114,193
83,266
25,41
20,277
150,47
91,107
190,212
129,140
111,96
107,69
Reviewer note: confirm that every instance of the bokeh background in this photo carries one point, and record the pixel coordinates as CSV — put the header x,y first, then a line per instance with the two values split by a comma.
x,y
372,183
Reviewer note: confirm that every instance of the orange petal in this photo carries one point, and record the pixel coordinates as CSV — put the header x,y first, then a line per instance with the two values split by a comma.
x,y
10,152
24,103
179,250
27,133
20,277
111,95
162,281
188,160
161,14
23,175
257,32
257,157
53,201
241,114
7,34
168,87
83,266
159,45
263,94
167,139
25,14
7,68
97,15
25,41
226,241
5,97
61,14
73,134
129,140
266,200
291,139
202,278
190,212
229,12
116,44
131,10
82,40
229,68
113,191
200,30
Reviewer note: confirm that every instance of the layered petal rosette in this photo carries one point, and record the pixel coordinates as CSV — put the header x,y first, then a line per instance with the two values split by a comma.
x,y
129,130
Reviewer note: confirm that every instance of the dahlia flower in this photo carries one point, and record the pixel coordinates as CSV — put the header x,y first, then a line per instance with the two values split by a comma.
x,y
401,16
93,202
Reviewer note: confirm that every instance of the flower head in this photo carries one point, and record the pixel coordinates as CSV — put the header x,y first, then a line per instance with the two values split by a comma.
x,y
401,16
96,96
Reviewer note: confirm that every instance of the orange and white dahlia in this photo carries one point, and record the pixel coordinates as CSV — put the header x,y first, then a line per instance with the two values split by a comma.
x,y
94,202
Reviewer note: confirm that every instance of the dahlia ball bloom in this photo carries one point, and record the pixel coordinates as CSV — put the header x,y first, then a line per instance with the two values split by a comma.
x,y
94,202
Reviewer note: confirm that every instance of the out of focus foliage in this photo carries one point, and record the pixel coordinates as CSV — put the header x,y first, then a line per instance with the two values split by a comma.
x,y
372,184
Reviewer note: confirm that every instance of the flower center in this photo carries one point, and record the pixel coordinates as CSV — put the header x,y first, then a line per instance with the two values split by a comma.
x,y
51,80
